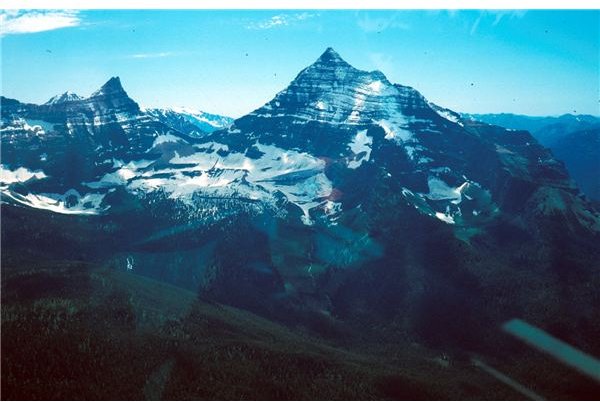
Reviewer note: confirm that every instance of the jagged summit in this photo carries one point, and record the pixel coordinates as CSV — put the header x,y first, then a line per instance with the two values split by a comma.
x,y
112,96
65,97
112,86
113,82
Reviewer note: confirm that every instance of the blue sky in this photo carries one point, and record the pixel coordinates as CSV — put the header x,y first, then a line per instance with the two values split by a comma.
x,y
231,62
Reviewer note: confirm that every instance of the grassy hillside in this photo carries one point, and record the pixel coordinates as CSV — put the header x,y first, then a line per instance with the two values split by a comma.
x,y
72,330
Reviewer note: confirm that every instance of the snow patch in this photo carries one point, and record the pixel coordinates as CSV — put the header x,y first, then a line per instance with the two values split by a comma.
x,y
394,130
359,103
19,175
121,176
447,114
320,105
164,138
445,218
70,203
439,190
296,175
361,147
375,86
39,125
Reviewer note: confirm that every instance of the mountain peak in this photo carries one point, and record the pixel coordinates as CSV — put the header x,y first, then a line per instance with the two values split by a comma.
x,y
327,64
113,82
330,53
113,95
332,91
330,56
63,98
112,86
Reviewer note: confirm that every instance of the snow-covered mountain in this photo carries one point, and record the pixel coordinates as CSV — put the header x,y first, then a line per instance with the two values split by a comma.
x,y
76,141
63,98
458,171
331,117
189,121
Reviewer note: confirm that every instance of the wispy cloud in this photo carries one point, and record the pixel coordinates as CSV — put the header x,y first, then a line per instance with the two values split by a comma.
x,y
382,62
280,20
497,15
511,14
368,23
13,22
150,55
476,24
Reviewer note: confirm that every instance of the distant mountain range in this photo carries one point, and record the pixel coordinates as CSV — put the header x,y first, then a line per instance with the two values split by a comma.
x,y
347,205
189,121
574,139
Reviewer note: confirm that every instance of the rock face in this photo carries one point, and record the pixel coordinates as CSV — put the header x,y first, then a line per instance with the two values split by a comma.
x,y
344,194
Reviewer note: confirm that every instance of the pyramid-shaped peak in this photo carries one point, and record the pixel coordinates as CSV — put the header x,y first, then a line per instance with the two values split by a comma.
x,y
330,65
